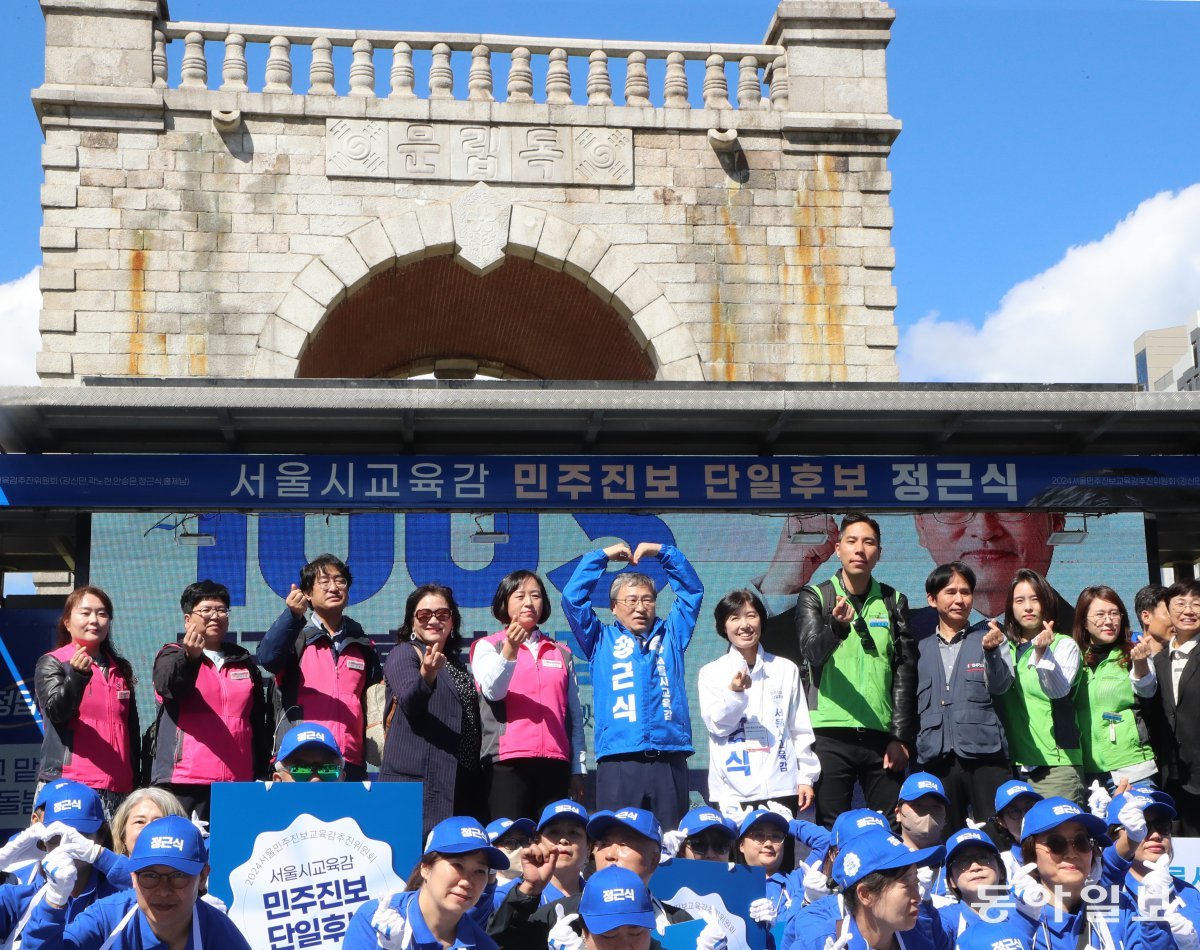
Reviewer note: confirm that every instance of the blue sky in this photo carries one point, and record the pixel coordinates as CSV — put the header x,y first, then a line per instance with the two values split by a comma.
x,y
1035,136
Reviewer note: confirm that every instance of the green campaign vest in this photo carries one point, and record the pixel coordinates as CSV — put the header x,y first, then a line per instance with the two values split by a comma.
x,y
1041,731
855,686
1109,745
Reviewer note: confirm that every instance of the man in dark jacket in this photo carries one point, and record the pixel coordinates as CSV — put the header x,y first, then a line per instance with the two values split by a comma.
x,y
860,674
1177,666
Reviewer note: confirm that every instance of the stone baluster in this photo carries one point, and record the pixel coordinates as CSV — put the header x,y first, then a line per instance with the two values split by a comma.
x,y
441,76
479,80
279,66
362,70
779,84
320,72
749,89
520,77
716,84
558,79
675,87
403,74
599,83
159,59
637,83
194,70
233,70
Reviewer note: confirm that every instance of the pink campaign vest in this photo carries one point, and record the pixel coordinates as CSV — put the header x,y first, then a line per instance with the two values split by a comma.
x,y
331,693
217,742
535,709
98,754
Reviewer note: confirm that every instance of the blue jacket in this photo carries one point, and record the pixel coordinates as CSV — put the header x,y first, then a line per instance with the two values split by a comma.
x,y
1188,895
15,898
926,935
639,691
361,936
49,927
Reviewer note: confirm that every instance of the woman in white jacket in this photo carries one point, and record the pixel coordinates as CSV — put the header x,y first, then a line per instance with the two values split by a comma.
x,y
760,741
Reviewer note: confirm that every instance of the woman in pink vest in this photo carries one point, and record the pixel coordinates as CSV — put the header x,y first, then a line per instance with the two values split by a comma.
x,y
533,744
85,691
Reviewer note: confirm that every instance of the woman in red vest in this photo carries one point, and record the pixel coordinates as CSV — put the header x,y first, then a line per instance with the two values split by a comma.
x,y
85,691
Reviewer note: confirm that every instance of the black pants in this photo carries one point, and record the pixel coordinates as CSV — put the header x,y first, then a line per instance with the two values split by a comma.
x,y
848,756
521,788
970,784
1188,806
195,799
658,783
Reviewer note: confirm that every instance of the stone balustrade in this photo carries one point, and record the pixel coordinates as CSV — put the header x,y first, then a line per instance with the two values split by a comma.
x,y
498,68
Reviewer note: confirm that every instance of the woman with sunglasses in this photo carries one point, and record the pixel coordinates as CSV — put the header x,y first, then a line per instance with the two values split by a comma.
x,y
1117,677
704,834
976,885
1039,709
432,718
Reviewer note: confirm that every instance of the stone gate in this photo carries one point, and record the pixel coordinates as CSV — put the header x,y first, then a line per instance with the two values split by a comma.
x,y
245,201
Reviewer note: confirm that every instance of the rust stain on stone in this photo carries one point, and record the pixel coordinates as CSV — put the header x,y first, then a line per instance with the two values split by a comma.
x,y
724,332
137,310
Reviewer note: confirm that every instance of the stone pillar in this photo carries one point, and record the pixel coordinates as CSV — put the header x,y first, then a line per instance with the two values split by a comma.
x,y
101,42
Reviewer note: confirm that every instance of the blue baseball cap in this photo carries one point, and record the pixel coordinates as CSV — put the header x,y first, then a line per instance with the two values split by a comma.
x,y
875,851
172,841
850,824
701,819
305,734
1141,799
615,897
969,837
1010,791
1049,813
1160,797
563,808
1002,935
636,819
765,816
461,835
48,789
502,826
73,804
919,784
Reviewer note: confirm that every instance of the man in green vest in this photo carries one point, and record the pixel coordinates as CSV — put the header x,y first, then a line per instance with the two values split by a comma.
x,y
859,669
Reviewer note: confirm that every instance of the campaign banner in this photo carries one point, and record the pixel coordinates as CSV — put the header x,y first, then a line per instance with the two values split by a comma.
x,y
715,890
779,483
1185,860
681,936
25,634
295,861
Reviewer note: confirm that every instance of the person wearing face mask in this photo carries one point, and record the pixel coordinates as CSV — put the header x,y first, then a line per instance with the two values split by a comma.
x,y
760,741
433,910
1039,709
533,745
432,719
643,726
921,818
1117,679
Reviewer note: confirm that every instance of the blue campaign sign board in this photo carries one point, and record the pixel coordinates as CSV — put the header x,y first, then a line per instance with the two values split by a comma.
x,y
781,483
24,636
681,936
725,890
294,862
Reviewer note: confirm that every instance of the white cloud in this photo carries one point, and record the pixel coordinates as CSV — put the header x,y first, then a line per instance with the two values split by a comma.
x,y
20,301
1076,321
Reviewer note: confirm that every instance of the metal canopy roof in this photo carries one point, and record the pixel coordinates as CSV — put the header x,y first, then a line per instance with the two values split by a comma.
x,y
384,416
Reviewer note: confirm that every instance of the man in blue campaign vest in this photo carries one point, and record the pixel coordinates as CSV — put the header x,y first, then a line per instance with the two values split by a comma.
x,y
643,730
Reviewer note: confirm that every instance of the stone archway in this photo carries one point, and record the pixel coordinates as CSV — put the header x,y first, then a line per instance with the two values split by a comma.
x,y
481,234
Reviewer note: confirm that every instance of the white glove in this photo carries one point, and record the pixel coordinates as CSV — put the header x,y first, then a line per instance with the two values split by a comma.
x,y
1134,821
1154,895
23,846
1182,929
201,825
392,930
839,943
1099,799
562,935
975,825
780,809
816,885
672,841
925,877
59,868
762,911
712,937
74,843
1031,897
735,813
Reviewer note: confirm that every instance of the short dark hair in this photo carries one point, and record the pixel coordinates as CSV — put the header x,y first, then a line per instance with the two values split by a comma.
x,y
857,517
505,590
873,883
410,608
1148,598
735,600
1189,586
321,564
941,575
201,591
1045,595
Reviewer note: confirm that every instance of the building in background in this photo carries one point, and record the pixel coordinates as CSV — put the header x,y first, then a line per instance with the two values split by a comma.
x,y
1169,359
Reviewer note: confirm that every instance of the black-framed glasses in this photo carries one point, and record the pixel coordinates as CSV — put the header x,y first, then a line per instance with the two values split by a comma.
x,y
177,879
442,613
304,771
1057,845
